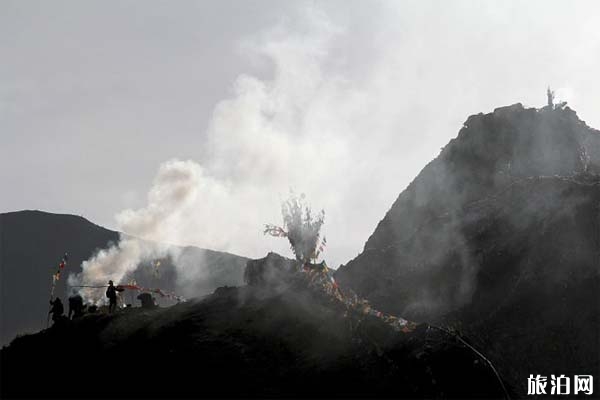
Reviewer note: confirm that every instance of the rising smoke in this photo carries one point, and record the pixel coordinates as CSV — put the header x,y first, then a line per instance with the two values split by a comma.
x,y
317,123
149,229
296,130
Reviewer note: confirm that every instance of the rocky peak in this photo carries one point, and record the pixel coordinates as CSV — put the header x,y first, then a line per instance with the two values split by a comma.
x,y
491,151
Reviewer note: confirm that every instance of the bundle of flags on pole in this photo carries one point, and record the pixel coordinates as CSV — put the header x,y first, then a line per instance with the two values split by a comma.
x,y
321,247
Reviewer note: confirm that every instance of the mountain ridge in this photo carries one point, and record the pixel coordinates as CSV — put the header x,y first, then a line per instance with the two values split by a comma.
x,y
500,236
470,132
278,336
32,243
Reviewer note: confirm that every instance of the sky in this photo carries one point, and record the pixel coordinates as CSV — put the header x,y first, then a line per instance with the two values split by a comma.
x,y
189,122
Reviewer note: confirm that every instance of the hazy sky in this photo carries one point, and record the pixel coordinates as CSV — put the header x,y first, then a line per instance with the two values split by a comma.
x,y
344,101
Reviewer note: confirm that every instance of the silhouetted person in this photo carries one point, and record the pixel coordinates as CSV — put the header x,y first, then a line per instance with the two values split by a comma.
x,y
75,305
147,300
111,293
57,310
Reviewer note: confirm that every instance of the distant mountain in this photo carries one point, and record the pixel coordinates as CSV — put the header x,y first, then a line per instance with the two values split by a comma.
x,y
280,336
32,244
499,236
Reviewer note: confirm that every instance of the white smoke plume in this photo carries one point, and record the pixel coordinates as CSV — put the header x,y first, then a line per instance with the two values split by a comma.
x,y
149,229
307,127
325,116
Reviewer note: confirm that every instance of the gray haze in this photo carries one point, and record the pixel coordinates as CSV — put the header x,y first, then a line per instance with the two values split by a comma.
x,y
344,101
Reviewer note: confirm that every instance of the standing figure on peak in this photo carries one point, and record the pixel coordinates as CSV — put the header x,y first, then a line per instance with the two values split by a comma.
x,y
550,94
111,293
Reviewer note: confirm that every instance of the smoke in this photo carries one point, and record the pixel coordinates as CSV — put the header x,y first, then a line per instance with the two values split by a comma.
x,y
173,195
149,229
316,125
327,116
113,264
300,128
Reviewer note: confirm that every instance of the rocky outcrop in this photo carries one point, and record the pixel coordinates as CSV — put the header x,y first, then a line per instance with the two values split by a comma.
x,y
500,236
272,270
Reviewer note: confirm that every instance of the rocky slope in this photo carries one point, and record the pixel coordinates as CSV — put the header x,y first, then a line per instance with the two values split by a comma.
x,y
500,236
277,337
32,244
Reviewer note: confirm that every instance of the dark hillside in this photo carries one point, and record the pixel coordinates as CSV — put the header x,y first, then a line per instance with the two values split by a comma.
x,y
500,236
281,340
32,244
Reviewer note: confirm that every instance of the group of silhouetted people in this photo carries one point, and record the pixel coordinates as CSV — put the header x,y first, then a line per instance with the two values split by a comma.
x,y
77,308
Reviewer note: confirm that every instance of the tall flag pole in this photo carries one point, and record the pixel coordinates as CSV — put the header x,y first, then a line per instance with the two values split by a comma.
x,y
56,278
